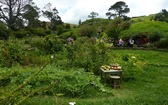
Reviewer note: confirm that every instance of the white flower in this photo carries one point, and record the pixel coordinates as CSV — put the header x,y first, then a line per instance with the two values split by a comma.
x,y
133,57
52,56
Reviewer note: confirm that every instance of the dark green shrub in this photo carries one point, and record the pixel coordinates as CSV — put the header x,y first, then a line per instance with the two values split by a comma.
x,y
59,29
4,81
48,32
4,32
20,34
11,53
33,58
117,25
67,26
87,30
163,43
86,53
27,41
49,44
39,32
155,36
67,35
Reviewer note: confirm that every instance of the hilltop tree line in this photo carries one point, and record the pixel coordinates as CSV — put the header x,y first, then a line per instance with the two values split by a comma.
x,y
20,15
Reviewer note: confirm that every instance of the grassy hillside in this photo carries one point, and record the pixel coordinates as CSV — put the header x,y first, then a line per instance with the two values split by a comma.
x,y
141,24
144,18
146,27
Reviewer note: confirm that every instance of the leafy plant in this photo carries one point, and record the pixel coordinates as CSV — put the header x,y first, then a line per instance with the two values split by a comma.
x,y
45,81
155,36
50,44
163,43
132,64
88,54
11,53
4,32
87,31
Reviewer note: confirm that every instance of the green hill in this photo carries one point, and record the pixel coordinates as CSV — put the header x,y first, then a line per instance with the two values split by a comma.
x,y
146,27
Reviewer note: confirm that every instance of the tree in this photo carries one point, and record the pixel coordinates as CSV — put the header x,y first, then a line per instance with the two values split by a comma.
x,y
67,26
4,32
52,15
93,15
117,25
162,16
87,31
80,22
31,14
11,11
119,9
159,17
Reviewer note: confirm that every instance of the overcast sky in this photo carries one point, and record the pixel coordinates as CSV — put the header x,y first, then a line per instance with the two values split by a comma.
x,y
71,11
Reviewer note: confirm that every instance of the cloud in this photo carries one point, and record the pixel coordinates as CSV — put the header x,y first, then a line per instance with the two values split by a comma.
x,y
71,11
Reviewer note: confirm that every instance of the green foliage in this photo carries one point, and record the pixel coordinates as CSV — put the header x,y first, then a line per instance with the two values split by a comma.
x,y
48,32
87,30
70,33
20,34
13,17
154,30
96,22
67,26
116,26
4,32
11,53
162,16
31,14
119,10
52,15
163,43
49,44
39,32
155,36
78,83
141,68
133,67
88,54
59,29
159,17
142,18
93,15
49,81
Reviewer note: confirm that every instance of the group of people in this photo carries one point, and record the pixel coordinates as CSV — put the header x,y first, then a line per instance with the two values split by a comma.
x,y
121,41
130,41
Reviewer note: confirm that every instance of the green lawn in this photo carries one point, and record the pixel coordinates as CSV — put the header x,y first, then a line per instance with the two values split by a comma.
x,y
150,88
